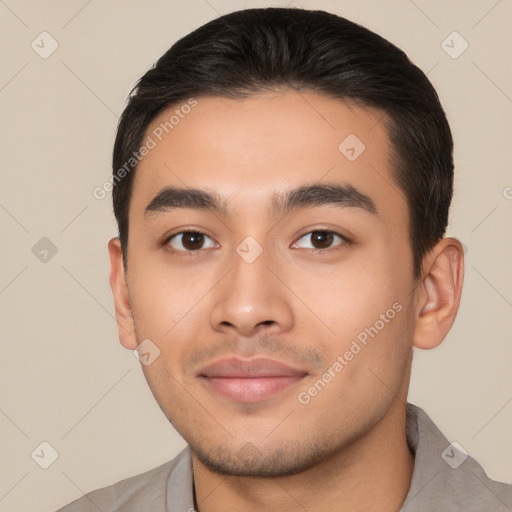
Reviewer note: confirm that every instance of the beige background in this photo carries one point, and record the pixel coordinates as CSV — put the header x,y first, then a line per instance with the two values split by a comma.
x,y
64,377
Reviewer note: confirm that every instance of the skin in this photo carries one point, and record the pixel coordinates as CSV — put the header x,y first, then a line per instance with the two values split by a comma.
x,y
292,304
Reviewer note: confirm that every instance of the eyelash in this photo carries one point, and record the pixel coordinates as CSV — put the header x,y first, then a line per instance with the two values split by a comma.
x,y
344,240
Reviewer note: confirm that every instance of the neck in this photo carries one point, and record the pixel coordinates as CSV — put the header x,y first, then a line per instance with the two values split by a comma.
x,y
373,473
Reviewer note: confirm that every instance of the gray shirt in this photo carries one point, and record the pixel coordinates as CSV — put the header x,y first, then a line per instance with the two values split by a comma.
x,y
444,479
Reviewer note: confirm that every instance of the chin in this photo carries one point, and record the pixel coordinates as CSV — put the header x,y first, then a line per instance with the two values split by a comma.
x,y
250,461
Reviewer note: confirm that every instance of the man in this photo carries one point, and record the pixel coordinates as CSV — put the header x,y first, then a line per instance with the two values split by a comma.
x,y
281,182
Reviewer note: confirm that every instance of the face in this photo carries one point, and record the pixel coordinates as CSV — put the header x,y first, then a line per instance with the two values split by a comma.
x,y
282,310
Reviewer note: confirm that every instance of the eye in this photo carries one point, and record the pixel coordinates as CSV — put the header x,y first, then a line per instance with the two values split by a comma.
x,y
321,239
188,241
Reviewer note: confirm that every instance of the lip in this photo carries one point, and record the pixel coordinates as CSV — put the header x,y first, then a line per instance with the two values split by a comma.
x,y
250,381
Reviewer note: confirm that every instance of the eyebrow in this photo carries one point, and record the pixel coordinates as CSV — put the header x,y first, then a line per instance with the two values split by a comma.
x,y
171,198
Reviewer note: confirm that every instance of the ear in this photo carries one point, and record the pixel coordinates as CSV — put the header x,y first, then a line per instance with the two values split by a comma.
x,y
119,285
439,293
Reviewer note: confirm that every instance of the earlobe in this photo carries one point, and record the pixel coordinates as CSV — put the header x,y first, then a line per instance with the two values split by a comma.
x,y
118,283
439,293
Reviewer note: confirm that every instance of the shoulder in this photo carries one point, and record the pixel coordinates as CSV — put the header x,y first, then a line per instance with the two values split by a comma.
x,y
445,477
146,491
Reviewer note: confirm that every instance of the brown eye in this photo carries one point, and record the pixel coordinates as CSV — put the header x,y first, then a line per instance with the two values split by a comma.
x,y
321,239
190,241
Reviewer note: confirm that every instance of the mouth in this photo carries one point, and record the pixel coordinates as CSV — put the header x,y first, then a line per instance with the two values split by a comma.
x,y
250,381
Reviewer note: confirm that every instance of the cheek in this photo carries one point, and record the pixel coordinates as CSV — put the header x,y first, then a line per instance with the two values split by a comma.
x,y
164,300
385,348
349,302
370,319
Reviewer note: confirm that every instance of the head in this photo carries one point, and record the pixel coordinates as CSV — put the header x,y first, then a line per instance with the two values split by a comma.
x,y
318,166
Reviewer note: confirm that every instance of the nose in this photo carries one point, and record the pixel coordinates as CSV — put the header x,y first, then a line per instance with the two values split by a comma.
x,y
252,300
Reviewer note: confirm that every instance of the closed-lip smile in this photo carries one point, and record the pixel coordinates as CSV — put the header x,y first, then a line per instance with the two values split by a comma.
x,y
250,380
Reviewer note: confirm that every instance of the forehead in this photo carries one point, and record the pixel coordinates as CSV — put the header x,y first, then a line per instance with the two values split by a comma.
x,y
246,150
